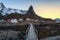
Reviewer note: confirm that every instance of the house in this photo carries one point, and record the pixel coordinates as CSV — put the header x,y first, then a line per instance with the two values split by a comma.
x,y
1,21
28,19
20,19
13,21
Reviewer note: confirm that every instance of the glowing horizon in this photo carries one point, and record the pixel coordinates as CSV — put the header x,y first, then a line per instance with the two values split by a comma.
x,y
48,11
44,8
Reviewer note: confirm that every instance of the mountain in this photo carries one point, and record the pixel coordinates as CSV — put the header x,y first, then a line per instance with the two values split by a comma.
x,y
57,20
9,13
4,10
29,14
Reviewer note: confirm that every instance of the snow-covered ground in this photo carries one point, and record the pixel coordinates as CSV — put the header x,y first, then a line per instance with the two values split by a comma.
x,y
8,34
52,38
31,35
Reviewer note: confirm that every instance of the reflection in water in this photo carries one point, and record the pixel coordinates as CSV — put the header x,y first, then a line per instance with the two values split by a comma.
x,y
31,35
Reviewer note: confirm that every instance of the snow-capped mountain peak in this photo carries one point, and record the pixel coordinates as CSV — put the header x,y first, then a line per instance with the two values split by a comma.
x,y
9,10
4,10
1,7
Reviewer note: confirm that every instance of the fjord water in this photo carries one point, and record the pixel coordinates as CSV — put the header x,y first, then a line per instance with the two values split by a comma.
x,y
31,34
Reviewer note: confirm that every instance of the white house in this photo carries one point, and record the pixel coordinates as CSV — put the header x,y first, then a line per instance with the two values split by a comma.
x,y
28,19
20,20
2,21
14,21
36,20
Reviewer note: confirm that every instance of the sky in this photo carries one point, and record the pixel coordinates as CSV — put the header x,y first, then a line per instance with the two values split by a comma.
x,y
44,8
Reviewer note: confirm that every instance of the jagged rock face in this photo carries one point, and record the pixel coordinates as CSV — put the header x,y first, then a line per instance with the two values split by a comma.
x,y
4,10
15,13
31,11
29,14
1,7
18,13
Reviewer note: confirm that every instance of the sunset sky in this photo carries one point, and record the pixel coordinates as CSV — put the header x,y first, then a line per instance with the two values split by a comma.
x,y
44,8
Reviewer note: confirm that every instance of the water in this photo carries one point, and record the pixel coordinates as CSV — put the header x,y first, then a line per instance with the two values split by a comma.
x,y
31,35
